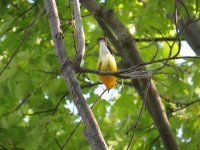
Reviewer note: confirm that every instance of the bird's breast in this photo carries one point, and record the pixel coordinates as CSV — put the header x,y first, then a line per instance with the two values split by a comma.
x,y
107,63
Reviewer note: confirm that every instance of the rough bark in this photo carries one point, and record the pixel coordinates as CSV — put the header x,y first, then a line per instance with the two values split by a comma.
x,y
189,26
125,44
96,138
191,32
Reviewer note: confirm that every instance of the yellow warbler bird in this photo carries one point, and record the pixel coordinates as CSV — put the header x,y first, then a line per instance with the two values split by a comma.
x,y
106,62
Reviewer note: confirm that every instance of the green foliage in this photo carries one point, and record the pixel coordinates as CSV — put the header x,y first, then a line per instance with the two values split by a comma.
x,y
36,109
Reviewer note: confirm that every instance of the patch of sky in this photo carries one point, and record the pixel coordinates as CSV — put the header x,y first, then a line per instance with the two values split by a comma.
x,y
70,105
186,140
58,77
185,51
102,1
86,96
189,80
26,119
31,1
46,96
91,25
180,131
108,96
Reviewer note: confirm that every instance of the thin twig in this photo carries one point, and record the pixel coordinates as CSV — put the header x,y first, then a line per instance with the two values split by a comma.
x,y
197,7
20,15
140,114
57,142
186,10
78,124
48,72
135,68
167,42
162,39
59,102
177,30
40,112
152,142
157,49
185,106
169,65
23,40
71,134
53,110
23,101
82,16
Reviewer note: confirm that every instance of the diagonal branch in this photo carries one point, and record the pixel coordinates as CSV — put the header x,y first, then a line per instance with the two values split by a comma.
x,y
140,114
127,49
68,73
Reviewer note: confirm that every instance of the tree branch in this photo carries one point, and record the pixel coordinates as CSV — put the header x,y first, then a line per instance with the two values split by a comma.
x,y
79,34
78,124
125,44
69,76
23,101
190,27
162,39
135,72
139,116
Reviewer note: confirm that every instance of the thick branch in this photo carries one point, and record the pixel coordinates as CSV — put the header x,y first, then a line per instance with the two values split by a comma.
x,y
190,27
69,76
125,44
191,32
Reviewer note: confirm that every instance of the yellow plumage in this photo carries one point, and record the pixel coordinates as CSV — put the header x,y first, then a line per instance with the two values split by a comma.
x,y
106,62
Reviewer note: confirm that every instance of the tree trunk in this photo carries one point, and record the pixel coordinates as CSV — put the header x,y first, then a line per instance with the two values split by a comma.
x,y
125,44
191,32
92,129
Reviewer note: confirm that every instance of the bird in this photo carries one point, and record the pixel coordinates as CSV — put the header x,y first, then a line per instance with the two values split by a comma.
x,y
106,62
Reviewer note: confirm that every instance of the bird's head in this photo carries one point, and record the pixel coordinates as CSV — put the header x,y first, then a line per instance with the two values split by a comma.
x,y
102,39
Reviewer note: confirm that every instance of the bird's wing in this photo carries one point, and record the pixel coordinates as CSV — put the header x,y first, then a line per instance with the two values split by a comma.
x,y
110,50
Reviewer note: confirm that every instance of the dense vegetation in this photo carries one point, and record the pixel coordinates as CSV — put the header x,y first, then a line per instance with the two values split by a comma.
x,y
36,109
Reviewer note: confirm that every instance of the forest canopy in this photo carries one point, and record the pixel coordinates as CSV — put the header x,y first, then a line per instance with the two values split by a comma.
x,y
157,45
